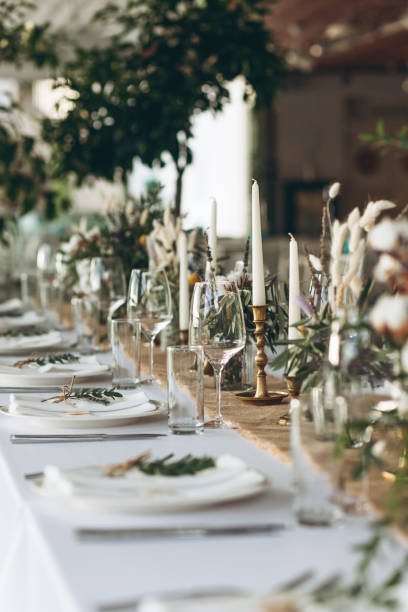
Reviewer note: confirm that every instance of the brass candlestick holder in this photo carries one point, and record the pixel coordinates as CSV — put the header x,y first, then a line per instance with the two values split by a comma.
x,y
260,395
183,337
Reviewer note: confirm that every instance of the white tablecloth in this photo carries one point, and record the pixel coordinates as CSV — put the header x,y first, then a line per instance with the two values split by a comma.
x,y
43,568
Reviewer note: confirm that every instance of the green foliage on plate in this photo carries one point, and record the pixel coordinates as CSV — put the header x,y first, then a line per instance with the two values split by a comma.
x,y
27,332
98,394
186,466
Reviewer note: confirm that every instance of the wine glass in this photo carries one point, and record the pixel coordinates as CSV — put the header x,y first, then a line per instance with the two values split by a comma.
x,y
149,302
108,283
217,324
107,278
46,262
108,286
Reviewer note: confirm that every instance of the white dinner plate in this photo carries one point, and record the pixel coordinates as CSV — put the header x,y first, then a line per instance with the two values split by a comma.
x,y
248,484
85,421
38,343
25,319
31,377
11,306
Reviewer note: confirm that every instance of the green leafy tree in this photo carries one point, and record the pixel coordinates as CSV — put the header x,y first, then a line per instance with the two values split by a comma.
x,y
137,92
26,176
21,40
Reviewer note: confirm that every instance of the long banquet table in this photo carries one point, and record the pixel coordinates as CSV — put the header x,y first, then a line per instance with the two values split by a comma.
x,y
44,568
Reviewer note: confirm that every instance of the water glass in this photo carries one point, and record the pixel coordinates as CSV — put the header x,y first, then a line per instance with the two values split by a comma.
x,y
51,301
86,318
125,342
329,464
185,389
311,453
29,290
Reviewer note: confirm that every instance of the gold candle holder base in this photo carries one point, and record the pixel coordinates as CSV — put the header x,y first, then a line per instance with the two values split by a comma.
x,y
260,395
276,397
294,386
183,336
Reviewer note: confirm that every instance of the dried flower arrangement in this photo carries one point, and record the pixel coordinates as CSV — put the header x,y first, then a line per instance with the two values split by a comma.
x,y
336,284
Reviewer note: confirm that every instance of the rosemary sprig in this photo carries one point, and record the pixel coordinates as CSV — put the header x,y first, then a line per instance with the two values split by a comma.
x,y
187,465
29,331
46,359
99,394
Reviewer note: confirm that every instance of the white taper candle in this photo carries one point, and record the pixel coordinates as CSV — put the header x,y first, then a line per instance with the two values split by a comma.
x,y
212,237
184,301
258,281
294,289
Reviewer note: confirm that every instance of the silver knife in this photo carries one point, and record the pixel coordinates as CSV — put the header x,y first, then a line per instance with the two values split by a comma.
x,y
49,389
92,437
135,533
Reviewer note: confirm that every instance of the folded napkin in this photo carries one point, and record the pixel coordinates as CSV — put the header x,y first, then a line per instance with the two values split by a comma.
x,y
12,305
133,404
21,342
24,320
85,366
229,475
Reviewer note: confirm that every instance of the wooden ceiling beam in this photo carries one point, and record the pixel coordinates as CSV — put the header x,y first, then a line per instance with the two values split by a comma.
x,y
370,51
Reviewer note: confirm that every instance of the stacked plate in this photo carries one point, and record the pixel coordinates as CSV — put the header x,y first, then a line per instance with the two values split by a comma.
x,y
15,321
136,491
51,370
87,411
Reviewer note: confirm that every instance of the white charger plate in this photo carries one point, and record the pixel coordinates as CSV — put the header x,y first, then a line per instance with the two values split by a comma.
x,y
85,421
158,503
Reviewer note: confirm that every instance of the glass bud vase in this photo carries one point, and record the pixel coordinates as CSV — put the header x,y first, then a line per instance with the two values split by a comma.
x,y
239,373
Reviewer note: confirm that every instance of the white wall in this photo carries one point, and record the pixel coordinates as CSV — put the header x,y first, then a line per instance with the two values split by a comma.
x,y
220,169
318,122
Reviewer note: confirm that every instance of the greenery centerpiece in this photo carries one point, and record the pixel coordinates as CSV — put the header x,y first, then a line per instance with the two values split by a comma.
x,y
162,249
337,285
239,372
120,231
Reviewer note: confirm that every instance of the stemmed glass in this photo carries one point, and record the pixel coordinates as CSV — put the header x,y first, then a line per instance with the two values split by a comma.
x,y
107,278
149,302
217,324
108,291
108,283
